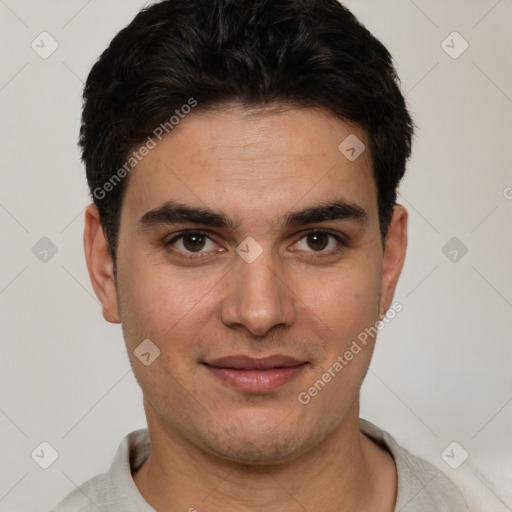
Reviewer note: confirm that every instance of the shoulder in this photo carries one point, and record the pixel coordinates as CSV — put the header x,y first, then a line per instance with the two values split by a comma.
x,y
89,497
421,486
114,490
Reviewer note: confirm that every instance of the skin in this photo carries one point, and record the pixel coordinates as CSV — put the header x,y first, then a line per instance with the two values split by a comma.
x,y
216,447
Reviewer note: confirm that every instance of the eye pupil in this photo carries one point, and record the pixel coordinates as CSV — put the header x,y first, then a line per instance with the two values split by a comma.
x,y
194,242
317,241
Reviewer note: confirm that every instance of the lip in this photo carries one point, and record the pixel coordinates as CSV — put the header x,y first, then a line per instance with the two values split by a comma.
x,y
256,375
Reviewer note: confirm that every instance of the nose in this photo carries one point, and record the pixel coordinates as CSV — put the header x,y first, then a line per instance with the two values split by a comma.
x,y
258,297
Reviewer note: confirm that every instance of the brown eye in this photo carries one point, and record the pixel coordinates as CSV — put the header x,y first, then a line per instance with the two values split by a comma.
x,y
317,241
194,242
322,242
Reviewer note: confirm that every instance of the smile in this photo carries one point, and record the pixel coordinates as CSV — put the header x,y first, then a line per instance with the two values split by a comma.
x,y
252,375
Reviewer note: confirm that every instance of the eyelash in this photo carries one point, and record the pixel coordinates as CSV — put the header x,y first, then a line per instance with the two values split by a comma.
x,y
191,255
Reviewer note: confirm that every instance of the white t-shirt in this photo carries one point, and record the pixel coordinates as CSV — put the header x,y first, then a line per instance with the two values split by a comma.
x,y
421,487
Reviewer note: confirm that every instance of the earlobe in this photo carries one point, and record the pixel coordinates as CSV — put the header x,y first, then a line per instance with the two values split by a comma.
x,y
100,264
394,256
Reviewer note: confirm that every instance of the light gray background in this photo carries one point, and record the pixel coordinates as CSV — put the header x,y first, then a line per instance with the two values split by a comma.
x,y
441,371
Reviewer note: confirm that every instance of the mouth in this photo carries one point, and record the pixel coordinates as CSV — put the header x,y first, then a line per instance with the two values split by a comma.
x,y
256,375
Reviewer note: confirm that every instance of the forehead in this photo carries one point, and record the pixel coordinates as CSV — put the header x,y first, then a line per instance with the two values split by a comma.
x,y
255,164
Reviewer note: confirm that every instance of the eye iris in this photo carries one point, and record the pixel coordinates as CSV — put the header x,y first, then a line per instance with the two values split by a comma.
x,y
317,241
194,242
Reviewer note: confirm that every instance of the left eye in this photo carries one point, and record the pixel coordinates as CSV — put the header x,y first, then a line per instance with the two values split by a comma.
x,y
192,242
319,241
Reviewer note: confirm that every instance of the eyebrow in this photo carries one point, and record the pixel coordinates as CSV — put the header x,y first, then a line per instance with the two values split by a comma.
x,y
330,211
177,213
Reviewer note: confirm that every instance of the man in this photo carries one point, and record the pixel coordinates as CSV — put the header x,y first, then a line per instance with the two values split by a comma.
x,y
243,158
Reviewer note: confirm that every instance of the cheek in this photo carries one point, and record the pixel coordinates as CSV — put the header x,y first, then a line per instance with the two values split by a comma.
x,y
169,311
169,306
346,299
348,305
176,311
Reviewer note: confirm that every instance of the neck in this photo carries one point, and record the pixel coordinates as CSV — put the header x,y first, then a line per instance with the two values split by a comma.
x,y
346,472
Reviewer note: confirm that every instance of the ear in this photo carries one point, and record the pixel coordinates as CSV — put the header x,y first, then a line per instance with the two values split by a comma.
x,y
100,264
394,256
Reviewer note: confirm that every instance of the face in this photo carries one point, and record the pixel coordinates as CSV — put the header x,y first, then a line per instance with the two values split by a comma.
x,y
250,254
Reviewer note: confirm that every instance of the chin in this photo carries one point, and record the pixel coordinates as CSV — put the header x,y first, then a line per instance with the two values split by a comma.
x,y
255,452
261,441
